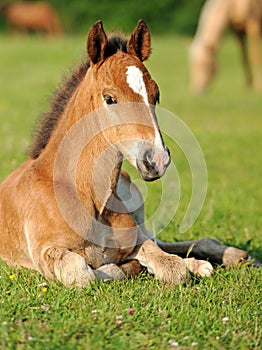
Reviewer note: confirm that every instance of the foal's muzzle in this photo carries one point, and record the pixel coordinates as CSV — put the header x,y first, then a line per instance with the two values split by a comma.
x,y
153,163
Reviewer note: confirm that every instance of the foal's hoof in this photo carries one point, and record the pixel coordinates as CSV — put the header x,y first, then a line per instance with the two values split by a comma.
x,y
200,268
233,256
172,270
109,272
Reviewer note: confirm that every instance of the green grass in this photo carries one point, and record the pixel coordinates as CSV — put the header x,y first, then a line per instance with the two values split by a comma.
x,y
227,123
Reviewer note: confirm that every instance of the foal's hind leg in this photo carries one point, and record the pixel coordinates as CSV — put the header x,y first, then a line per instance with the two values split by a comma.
x,y
133,200
207,249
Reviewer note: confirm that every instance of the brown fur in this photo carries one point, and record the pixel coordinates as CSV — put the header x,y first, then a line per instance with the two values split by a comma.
x,y
245,18
37,16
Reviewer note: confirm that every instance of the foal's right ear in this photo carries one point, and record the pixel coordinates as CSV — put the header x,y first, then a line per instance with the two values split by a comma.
x,y
96,42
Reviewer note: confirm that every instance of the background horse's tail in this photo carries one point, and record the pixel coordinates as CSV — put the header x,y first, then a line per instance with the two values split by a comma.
x,y
55,23
3,7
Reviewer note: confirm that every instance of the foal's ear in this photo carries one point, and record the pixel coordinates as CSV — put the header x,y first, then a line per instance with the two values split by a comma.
x,y
140,41
96,42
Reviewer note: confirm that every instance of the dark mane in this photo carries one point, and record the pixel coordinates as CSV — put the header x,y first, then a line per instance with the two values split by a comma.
x,y
62,95
115,43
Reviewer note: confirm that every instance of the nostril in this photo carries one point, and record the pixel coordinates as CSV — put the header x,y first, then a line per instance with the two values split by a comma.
x,y
148,156
148,161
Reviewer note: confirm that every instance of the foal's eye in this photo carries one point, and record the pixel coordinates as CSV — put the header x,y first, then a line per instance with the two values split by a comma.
x,y
109,100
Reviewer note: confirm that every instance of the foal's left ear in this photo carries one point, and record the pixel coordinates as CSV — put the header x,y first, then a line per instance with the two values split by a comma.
x,y
140,41
96,42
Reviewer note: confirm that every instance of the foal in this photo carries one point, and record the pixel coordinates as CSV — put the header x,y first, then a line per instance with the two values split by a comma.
x,y
65,211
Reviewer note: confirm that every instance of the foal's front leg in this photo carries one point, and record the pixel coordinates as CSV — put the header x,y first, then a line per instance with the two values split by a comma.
x,y
71,269
170,269
65,266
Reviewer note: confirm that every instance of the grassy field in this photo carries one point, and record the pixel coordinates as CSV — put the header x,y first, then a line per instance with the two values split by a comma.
x,y
223,312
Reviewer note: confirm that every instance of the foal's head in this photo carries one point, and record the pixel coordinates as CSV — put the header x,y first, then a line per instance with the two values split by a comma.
x,y
123,88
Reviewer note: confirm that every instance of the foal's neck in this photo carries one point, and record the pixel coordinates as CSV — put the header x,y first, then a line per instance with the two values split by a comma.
x,y
78,153
98,172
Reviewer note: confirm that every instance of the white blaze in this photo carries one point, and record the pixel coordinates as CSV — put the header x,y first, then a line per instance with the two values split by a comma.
x,y
135,80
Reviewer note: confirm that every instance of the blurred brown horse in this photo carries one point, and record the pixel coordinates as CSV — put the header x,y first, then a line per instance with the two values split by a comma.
x,y
245,18
27,16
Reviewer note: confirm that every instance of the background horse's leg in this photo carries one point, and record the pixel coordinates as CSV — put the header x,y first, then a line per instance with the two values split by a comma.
x,y
207,249
241,35
253,29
